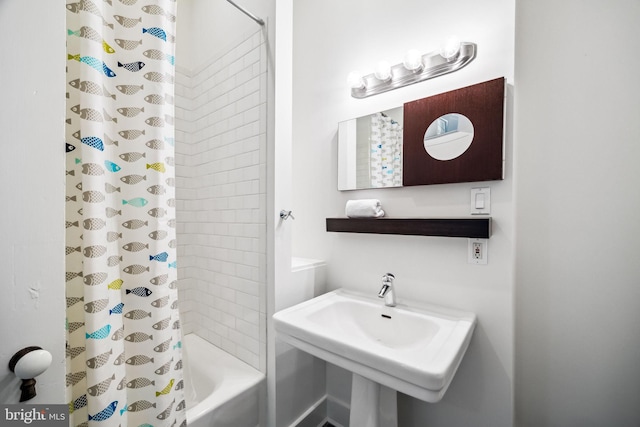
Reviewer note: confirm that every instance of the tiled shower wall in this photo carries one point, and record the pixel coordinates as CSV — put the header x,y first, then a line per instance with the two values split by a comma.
x,y
221,199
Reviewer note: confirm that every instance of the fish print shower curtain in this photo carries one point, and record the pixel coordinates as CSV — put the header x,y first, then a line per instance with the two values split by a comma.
x,y
386,151
124,363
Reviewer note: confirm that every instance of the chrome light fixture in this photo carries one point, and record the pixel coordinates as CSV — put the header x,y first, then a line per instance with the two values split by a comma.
x,y
414,68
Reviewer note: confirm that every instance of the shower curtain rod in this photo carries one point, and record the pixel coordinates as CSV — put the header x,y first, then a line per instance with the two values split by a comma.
x,y
249,14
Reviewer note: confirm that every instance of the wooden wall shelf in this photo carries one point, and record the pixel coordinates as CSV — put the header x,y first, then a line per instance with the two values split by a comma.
x,y
475,228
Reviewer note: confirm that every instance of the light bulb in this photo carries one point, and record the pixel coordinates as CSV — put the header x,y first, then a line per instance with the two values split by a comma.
x,y
355,80
412,60
383,71
450,48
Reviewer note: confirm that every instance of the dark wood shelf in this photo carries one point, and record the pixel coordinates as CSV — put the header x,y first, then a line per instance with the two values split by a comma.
x,y
475,228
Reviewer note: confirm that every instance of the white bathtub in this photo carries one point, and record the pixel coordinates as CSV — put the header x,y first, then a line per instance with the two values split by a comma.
x,y
220,390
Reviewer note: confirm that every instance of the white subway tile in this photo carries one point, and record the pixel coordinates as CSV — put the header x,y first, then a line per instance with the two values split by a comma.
x,y
248,357
251,316
248,301
220,194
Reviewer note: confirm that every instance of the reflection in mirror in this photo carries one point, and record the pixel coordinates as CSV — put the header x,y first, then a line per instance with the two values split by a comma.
x,y
370,151
448,136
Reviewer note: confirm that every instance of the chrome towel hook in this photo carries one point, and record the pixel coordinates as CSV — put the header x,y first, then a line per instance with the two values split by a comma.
x,y
285,215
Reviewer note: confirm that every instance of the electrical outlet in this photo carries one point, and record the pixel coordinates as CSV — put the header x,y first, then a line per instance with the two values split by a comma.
x,y
478,251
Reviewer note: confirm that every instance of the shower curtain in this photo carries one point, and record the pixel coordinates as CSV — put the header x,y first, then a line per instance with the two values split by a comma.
x,y
386,151
124,363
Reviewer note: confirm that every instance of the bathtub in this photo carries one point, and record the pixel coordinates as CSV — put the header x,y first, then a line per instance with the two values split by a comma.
x,y
220,390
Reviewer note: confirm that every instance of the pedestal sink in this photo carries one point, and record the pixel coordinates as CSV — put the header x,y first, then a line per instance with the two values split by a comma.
x,y
413,348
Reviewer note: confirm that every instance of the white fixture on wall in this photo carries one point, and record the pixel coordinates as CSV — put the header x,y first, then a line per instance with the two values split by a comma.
x,y
450,48
481,201
414,68
27,364
415,349
478,251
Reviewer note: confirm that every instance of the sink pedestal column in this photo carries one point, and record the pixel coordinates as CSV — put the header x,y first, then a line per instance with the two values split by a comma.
x,y
372,404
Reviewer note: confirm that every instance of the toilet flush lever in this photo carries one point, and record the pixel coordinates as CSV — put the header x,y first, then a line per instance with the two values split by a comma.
x,y
285,215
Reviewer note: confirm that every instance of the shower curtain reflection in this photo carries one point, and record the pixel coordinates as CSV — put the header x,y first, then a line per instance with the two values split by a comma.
x,y
386,151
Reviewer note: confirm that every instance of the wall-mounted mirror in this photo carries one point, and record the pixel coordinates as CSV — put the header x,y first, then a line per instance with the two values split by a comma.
x,y
456,136
370,151
448,136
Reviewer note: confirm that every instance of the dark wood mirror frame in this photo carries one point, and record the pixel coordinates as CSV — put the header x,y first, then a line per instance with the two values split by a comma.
x,y
483,104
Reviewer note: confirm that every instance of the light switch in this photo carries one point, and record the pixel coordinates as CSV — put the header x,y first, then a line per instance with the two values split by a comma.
x,y
481,201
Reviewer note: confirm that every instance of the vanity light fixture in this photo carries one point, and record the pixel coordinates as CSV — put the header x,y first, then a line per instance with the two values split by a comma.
x,y
414,68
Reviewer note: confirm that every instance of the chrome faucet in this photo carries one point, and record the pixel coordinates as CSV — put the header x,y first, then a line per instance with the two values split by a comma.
x,y
387,292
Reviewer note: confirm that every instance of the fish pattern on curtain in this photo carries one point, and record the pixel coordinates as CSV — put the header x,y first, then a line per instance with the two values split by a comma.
x,y
124,359
386,151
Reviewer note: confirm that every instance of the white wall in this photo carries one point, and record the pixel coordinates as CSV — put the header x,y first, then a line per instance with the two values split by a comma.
x,y
32,308
577,275
331,38
205,27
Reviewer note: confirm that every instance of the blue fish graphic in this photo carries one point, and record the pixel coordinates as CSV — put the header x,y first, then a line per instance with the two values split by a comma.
x,y
178,345
106,413
93,63
162,257
111,166
117,309
157,32
173,264
138,202
100,333
93,141
140,291
123,410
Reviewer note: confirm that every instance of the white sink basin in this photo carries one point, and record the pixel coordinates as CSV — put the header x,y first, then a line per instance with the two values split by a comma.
x,y
415,350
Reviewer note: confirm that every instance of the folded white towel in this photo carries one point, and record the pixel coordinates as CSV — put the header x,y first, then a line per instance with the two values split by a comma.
x,y
364,208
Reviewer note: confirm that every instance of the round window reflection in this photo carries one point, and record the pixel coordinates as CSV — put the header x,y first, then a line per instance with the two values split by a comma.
x,y
448,136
